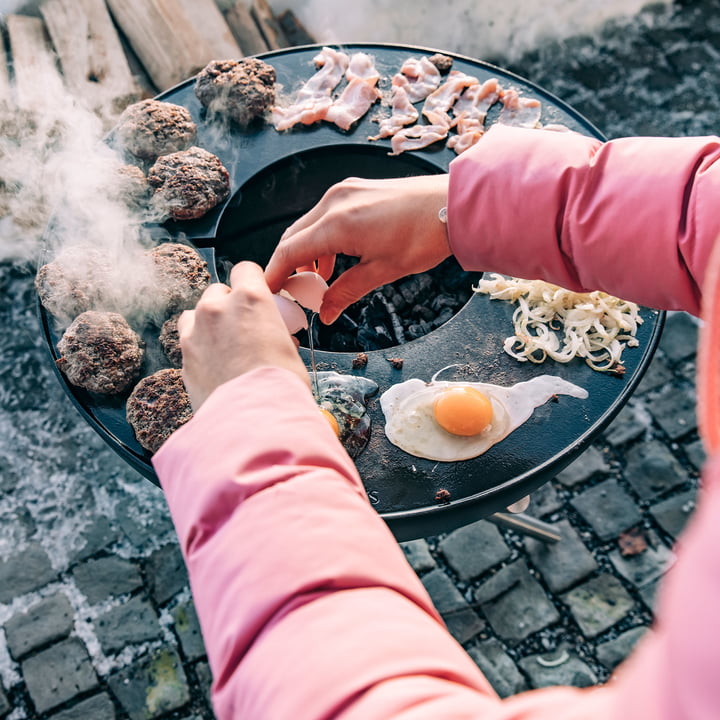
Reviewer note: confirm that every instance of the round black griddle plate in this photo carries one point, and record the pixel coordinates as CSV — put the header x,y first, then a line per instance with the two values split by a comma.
x,y
275,178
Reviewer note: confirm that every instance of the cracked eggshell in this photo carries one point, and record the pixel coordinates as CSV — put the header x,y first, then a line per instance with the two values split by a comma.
x,y
292,314
307,288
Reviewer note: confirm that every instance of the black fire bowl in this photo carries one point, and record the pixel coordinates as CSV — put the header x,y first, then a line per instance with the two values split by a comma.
x,y
276,177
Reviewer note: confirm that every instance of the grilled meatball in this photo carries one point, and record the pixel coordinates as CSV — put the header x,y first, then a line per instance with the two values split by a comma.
x,y
132,188
442,62
170,340
188,183
101,352
181,274
151,128
242,90
72,283
157,406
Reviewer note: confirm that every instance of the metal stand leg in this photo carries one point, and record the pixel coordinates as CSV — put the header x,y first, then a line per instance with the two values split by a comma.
x,y
527,526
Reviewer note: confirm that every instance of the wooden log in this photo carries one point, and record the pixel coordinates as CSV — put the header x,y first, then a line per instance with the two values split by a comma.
x,y
269,26
91,55
245,29
168,39
38,83
295,32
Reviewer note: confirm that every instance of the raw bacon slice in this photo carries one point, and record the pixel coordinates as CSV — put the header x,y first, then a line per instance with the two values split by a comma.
x,y
438,103
470,112
417,137
519,111
422,76
403,111
313,99
359,94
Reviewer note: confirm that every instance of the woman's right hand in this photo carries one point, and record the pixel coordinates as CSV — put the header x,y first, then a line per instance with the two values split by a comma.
x,y
391,226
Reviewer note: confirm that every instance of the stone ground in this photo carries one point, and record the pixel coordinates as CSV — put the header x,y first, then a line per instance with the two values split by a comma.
x,y
96,619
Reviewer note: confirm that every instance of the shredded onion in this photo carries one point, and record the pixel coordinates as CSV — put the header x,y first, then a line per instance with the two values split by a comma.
x,y
551,322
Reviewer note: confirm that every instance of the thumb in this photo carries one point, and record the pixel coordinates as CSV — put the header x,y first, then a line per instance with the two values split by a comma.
x,y
353,284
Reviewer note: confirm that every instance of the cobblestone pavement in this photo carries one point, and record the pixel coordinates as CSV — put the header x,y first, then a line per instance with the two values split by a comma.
x,y
95,613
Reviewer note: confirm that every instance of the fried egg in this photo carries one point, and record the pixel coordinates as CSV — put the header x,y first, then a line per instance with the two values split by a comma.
x,y
451,420
342,400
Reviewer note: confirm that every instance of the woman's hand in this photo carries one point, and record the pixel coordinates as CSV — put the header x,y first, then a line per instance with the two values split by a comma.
x,y
392,226
233,330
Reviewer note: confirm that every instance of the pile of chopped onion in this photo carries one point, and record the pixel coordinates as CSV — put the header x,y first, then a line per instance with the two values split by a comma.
x,y
557,323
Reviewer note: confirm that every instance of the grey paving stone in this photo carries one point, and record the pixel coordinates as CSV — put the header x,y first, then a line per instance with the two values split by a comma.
x,y
58,674
498,667
657,375
204,676
672,514
98,707
44,622
132,622
653,470
99,535
590,463
696,453
25,571
461,620
564,563
544,501
573,671
631,422
613,652
166,573
645,567
680,334
515,603
418,555
649,593
187,628
107,576
674,410
154,685
474,549
598,604
607,508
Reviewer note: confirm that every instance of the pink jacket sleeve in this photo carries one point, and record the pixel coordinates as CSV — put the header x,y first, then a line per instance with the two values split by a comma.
x,y
635,217
308,607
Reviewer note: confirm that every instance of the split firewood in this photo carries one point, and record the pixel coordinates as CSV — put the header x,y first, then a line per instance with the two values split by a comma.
x,y
91,55
245,29
268,24
174,39
38,83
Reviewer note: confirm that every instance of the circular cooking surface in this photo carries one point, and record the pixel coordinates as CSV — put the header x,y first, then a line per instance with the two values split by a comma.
x,y
276,177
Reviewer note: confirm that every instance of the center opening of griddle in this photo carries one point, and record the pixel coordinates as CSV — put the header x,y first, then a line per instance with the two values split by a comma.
x,y
268,203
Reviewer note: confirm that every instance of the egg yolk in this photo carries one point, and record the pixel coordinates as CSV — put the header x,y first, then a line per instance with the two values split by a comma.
x,y
331,420
463,410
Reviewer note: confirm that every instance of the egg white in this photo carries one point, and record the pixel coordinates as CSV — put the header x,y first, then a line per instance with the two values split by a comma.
x,y
410,422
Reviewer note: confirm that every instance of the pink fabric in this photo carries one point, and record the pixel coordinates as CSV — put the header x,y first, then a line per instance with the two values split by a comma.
x,y
307,605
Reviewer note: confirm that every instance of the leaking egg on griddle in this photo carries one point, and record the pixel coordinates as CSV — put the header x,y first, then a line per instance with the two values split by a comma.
x,y
450,420
342,399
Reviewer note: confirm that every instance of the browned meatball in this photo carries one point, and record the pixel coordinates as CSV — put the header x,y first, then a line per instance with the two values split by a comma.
x,y
442,62
101,352
157,406
132,188
181,274
151,128
72,283
188,183
170,340
242,90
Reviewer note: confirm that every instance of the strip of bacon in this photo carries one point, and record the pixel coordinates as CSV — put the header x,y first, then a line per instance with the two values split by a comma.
x,y
422,76
470,112
437,105
417,137
403,111
313,99
359,94
519,111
